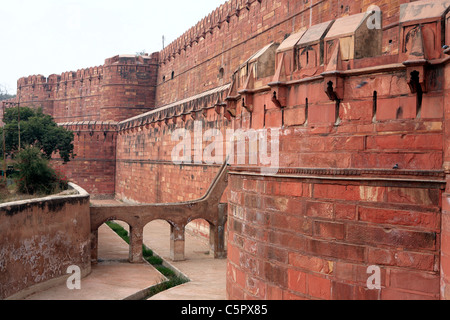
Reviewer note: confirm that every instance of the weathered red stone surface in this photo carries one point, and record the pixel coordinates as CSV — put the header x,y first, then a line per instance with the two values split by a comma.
x,y
40,239
94,165
320,237
123,87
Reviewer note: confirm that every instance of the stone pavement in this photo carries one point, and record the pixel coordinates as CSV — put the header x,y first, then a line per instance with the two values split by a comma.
x,y
207,275
115,279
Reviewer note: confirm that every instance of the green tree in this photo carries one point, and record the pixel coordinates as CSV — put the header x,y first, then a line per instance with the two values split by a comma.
x,y
35,174
37,130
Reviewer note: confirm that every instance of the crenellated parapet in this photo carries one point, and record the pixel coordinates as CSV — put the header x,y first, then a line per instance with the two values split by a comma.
x,y
53,93
121,88
65,78
207,26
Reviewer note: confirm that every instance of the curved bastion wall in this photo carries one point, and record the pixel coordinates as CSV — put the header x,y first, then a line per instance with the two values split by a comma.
x,y
124,86
361,177
40,239
94,166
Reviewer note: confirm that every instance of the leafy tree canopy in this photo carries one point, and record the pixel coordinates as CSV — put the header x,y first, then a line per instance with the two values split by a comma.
x,y
37,130
36,176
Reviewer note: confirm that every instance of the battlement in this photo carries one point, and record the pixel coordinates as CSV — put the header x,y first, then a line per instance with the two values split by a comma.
x,y
129,59
223,14
91,126
232,12
87,73
78,75
121,88
31,80
81,74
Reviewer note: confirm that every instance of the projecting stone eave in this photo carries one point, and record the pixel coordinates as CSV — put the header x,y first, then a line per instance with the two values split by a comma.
x,y
197,103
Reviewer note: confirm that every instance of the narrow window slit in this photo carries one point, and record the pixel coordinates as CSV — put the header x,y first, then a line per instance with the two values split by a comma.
x,y
375,105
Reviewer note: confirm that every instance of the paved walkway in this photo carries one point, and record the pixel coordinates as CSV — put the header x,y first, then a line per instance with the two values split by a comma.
x,y
115,279
207,275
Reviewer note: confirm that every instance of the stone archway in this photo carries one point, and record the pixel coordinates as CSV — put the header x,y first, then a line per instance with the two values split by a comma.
x,y
135,236
112,241
178,215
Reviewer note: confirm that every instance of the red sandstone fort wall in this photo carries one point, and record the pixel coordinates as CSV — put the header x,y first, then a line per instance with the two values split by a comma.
x,y
445,227
146,171
123,87
310,232
76,95
294,238
237,29
90,102
94,166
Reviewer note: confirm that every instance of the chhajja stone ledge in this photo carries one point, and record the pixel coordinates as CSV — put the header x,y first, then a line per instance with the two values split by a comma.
x,y
91,125
189,106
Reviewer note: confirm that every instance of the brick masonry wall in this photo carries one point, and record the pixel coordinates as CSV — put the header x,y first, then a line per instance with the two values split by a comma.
x,y
233,32
312,239
145,169
94,166
122,88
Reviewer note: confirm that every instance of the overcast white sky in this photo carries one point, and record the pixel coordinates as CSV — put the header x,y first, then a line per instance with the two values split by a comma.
x,y
53,36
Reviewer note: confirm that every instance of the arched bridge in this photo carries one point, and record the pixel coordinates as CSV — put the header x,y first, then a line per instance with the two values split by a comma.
x,y
178,215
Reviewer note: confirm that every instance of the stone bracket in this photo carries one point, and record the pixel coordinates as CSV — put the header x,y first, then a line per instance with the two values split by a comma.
x,y
334,86
416,76
247,100
279,94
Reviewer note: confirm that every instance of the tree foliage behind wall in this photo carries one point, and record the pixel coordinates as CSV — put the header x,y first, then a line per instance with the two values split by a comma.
x,y
37,130
35,175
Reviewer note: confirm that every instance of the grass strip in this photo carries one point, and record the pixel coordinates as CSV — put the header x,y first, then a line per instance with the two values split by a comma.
x,y
173,279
